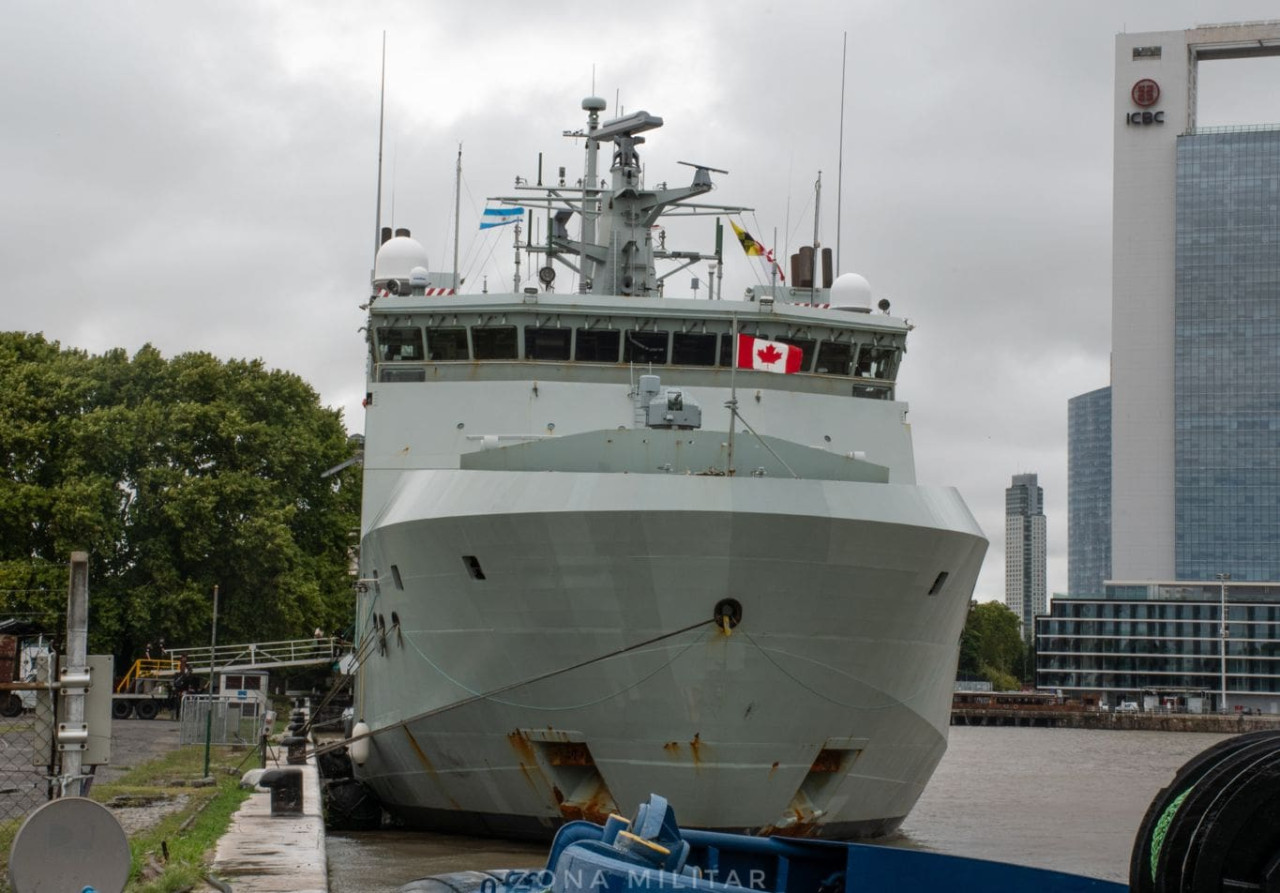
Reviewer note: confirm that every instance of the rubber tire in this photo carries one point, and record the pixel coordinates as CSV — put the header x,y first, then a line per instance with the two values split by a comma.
x,y
1208,767
12,706
121,709
146,709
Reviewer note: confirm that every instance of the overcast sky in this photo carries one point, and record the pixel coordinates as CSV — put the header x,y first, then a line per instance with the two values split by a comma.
x,y
202,176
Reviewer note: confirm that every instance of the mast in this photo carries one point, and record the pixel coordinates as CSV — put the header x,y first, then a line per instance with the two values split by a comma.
x,y
457,216
732,404
844,55
382,105
593,106
515,279
817,207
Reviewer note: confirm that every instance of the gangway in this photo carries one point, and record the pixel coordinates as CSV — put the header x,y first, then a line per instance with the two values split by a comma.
x,y
260,655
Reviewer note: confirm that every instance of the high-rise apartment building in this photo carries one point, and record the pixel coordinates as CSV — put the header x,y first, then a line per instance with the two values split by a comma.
x,y
1089,492
1024,551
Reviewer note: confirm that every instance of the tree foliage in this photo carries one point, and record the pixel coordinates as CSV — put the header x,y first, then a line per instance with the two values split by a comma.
x,y
991,645
174,475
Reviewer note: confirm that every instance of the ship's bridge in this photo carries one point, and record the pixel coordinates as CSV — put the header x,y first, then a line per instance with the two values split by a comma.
x,y
581,337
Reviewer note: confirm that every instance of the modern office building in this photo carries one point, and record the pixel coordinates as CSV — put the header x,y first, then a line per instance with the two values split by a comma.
x,y
1024,551
1195,319
1195,381
1088,492
1162,645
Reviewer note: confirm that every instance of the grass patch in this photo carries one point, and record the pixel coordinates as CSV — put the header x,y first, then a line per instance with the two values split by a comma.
x,y
8,830
172,854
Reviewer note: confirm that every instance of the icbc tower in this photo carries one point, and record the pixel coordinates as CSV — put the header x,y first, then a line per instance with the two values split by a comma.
x,y
1174,555
1195,424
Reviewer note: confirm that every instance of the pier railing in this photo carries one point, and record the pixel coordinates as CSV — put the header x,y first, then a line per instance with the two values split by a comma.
x,y
260,655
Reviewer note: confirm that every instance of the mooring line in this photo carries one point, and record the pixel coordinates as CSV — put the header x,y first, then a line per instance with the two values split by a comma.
x,y
436,711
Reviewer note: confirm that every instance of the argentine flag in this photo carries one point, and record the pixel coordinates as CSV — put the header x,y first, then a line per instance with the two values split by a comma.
x,y
499,217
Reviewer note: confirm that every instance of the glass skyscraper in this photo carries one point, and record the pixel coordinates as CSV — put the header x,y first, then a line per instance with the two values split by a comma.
x,y
1227,355
1194,431
1025,590
1088,492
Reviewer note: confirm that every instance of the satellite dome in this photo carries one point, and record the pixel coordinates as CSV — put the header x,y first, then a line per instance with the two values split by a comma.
x,y
397,257
418,277
851,290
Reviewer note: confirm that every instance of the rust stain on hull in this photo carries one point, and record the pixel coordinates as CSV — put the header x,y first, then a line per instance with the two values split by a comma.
x,y
596,808
428,765
525,758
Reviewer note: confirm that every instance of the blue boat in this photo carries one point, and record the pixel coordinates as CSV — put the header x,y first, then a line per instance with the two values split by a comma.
x,y
1215,827
651,853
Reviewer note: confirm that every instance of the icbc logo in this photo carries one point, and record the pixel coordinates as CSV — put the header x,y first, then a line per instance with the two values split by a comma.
x,y
1145,93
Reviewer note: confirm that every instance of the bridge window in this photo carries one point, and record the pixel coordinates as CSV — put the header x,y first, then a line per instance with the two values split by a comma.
x,y
399,344
546,343
447,344
806,345
726,350
645,347
834,358
495,342
597,345
876,362
693,349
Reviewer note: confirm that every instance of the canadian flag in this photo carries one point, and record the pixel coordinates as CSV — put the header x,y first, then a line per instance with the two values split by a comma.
x,y
768,356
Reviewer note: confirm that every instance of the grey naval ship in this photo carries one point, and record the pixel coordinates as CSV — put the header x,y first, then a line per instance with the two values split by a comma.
x,y
616,542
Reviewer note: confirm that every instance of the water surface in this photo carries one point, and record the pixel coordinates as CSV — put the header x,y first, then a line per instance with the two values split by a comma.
x,y
1067,799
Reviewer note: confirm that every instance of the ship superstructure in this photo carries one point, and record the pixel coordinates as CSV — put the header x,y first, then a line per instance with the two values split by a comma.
x,y
602,557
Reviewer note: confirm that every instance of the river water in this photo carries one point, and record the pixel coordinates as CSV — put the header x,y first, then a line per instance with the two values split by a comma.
x,y
1067,799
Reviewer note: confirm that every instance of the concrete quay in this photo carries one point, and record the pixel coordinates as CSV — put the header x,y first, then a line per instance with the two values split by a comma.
x,y
265,853
1065,718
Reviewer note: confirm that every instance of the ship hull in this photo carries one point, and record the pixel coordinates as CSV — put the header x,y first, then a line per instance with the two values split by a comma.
x,y
541,647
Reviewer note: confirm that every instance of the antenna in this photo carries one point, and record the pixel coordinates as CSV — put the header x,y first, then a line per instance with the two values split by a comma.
x,y
702,167
457,219
382,105
844,55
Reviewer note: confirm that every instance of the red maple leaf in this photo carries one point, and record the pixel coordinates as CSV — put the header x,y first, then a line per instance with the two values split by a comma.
x,y
769,354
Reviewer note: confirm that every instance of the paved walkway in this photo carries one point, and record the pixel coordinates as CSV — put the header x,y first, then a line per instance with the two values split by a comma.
x,y
262,853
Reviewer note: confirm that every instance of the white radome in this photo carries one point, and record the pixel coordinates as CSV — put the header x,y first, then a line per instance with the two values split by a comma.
x,y
397,258
850,290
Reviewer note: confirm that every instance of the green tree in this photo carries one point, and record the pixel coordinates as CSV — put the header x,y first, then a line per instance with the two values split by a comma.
x,y
174,475
991,645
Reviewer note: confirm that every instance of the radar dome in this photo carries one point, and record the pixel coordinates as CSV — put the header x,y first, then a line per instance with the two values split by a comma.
x,y
851,290
397,257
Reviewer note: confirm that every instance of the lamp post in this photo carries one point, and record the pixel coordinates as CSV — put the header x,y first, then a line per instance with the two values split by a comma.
x,y
1222,637
208,717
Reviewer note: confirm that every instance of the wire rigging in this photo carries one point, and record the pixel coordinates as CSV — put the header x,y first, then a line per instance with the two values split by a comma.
x,y
511,686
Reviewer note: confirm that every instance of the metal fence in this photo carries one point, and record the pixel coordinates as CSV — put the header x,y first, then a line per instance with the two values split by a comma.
x,y
234,722
28,757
